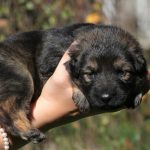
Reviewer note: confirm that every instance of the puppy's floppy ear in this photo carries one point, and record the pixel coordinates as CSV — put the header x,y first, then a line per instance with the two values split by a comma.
x,y
142,84
74,53
140,63
141,71
73,67
74,50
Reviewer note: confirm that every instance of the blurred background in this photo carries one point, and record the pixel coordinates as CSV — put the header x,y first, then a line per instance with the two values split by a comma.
x,y
124,130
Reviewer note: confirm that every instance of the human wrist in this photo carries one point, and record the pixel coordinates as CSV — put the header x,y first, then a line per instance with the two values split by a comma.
x,y
54,109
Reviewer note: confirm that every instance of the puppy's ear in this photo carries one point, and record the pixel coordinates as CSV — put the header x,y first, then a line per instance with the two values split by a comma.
x,y
74,68
141,70
140,63
73,64
142,84
74,50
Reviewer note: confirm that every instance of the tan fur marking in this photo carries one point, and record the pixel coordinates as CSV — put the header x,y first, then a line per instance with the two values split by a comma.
x,y
20,121
93,64
119,63
122,65
7,105
18,117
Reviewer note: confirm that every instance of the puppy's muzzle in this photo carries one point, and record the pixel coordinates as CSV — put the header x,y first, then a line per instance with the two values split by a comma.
x,y
106,97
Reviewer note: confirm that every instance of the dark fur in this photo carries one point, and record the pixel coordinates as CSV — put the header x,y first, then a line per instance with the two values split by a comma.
x,y
107,65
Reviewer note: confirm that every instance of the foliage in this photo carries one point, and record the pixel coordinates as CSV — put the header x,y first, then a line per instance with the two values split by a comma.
x,y
22,15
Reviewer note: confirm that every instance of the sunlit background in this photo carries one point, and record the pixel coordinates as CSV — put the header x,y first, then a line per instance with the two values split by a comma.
x,y
124,130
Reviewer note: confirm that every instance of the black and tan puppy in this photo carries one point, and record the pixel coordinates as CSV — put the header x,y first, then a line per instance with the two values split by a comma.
x,y
107,65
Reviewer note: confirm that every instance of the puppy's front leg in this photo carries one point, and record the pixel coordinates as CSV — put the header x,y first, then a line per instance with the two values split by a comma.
x,y
80,100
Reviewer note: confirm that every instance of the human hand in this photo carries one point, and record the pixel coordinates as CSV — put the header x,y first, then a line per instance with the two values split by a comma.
x,y
55,100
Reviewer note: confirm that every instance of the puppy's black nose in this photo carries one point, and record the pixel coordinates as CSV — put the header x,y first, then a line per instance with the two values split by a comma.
x,y
105,97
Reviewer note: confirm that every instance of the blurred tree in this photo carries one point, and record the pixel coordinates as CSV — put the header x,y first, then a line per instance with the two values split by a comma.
x,y
132,16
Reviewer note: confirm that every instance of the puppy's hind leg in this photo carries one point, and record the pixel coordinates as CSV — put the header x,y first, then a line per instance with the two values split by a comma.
x,y
15,122
25,130
16,92
22,108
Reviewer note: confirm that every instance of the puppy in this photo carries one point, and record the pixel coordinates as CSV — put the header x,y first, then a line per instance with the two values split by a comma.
x,y
107,66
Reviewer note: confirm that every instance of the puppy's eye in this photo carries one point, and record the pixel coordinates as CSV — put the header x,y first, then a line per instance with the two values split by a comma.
x,y
126,75
88,77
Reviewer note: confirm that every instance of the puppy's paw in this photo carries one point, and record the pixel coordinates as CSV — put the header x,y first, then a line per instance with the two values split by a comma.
x,y
34,135
138,100
81,101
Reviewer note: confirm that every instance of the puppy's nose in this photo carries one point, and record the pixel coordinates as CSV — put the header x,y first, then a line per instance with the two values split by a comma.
x,y
105,97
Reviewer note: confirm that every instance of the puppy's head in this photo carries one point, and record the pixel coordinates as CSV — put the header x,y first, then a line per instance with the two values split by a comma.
x,y
108,66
